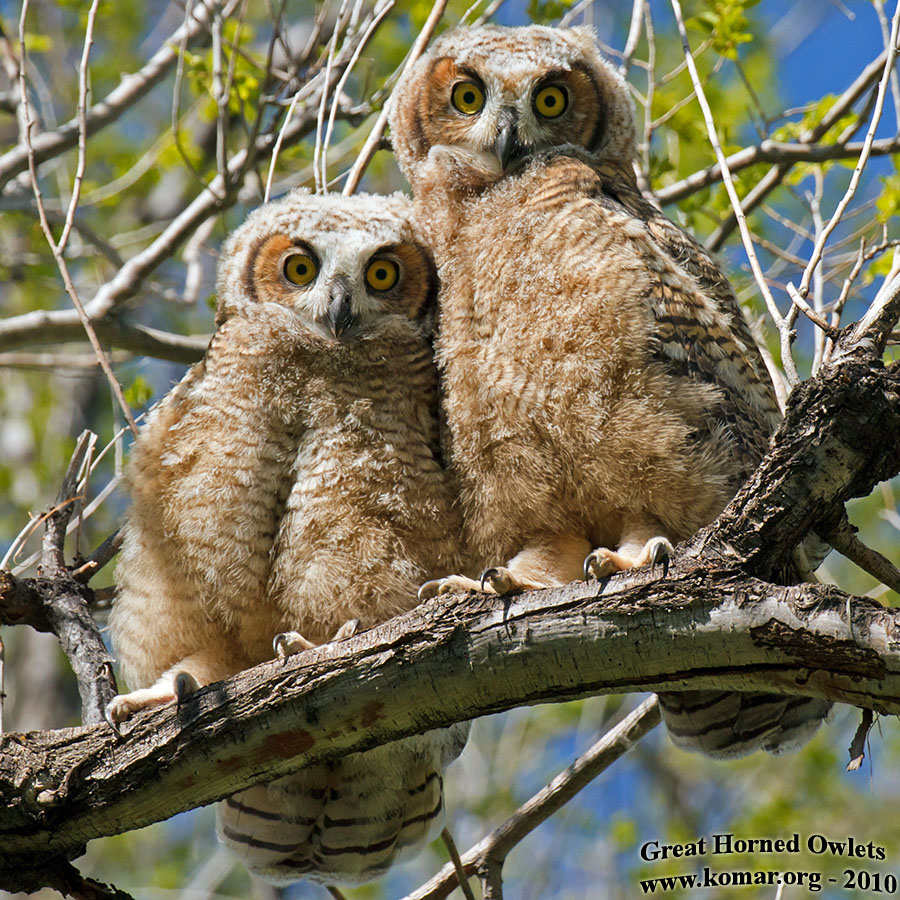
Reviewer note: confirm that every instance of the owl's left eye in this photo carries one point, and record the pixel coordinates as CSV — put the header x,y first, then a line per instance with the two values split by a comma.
x,y
300,269
467,97
551,101
382,274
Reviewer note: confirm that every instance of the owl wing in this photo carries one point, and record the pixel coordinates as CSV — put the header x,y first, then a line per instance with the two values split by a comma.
x,y
208,478
700,330
702,334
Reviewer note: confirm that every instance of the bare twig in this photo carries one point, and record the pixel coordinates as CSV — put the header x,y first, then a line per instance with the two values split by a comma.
x,y
55,247
847,543
461,877
806,150
810,313
130,89
783,324
81,116
97,559
498,844
382,8
857,747
374,139
818,250
634,35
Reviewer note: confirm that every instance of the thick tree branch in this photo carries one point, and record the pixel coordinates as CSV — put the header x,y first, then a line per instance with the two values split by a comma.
x,y
472,656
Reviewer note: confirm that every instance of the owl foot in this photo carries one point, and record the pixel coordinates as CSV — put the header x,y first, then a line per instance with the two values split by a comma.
x,y
290,642
450,585
177,687
603,562
502,581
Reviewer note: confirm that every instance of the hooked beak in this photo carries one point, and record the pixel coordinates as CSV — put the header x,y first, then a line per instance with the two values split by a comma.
x,y
340,311
507,147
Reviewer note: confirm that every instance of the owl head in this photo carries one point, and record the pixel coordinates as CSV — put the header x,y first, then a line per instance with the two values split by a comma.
x,y
340,263
495,96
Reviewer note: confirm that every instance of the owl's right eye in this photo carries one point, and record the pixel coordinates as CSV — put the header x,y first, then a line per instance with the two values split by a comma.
x,y
300,269
467,97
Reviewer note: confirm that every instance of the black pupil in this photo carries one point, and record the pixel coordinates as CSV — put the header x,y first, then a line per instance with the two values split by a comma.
x,y
381,274
301,269
469,97
550,100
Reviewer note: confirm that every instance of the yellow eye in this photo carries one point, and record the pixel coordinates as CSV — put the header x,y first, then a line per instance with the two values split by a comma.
x,y
551,101
468,98
382,274
300,269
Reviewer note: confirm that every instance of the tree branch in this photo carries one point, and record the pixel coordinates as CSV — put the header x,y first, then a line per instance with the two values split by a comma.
x,y
131,89
696,629
548,800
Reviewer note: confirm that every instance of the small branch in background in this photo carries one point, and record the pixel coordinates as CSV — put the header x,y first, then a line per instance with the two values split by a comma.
x,y
52,550
193,258
57,248
634,36
461,877
129,91
319,165
857,748
861,162
490,874
497,845
814,317
878,566
337,894
98,558
56,602
380,11
374,139
784,324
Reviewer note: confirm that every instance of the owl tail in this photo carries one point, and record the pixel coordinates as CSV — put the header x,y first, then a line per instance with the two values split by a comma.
x,y
725,724
347,822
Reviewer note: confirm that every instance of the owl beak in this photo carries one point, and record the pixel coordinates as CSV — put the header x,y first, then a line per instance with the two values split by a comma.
x,y
340,310
507,147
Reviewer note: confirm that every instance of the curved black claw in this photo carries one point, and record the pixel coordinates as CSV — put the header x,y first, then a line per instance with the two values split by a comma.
x,y
108,716
429,589
659,555
185,685
587,566
487,575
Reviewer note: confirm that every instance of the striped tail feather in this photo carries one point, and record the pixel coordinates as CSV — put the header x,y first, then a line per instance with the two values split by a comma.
x,y
347,822
726,724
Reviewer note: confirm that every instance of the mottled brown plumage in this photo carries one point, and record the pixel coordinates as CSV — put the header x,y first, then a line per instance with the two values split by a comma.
x,y
602,393
292,483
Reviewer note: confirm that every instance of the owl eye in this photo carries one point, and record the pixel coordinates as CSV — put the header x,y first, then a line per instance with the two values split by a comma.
x,y
551,101
468,98
300,269
382,274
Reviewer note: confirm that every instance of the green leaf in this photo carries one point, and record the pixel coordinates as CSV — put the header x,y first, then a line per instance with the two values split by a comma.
x,y
139,393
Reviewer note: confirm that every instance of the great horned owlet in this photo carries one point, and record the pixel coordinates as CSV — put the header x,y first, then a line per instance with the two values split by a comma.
x,y
602,393
290,484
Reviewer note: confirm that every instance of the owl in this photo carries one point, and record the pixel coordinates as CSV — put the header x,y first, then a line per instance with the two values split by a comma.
x,y
290,488
602,393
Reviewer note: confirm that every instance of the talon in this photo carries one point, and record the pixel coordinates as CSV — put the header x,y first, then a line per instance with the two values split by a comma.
x,y
288,643
185,685
110,718
347,630
588,567
487,575
660,554
429,589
